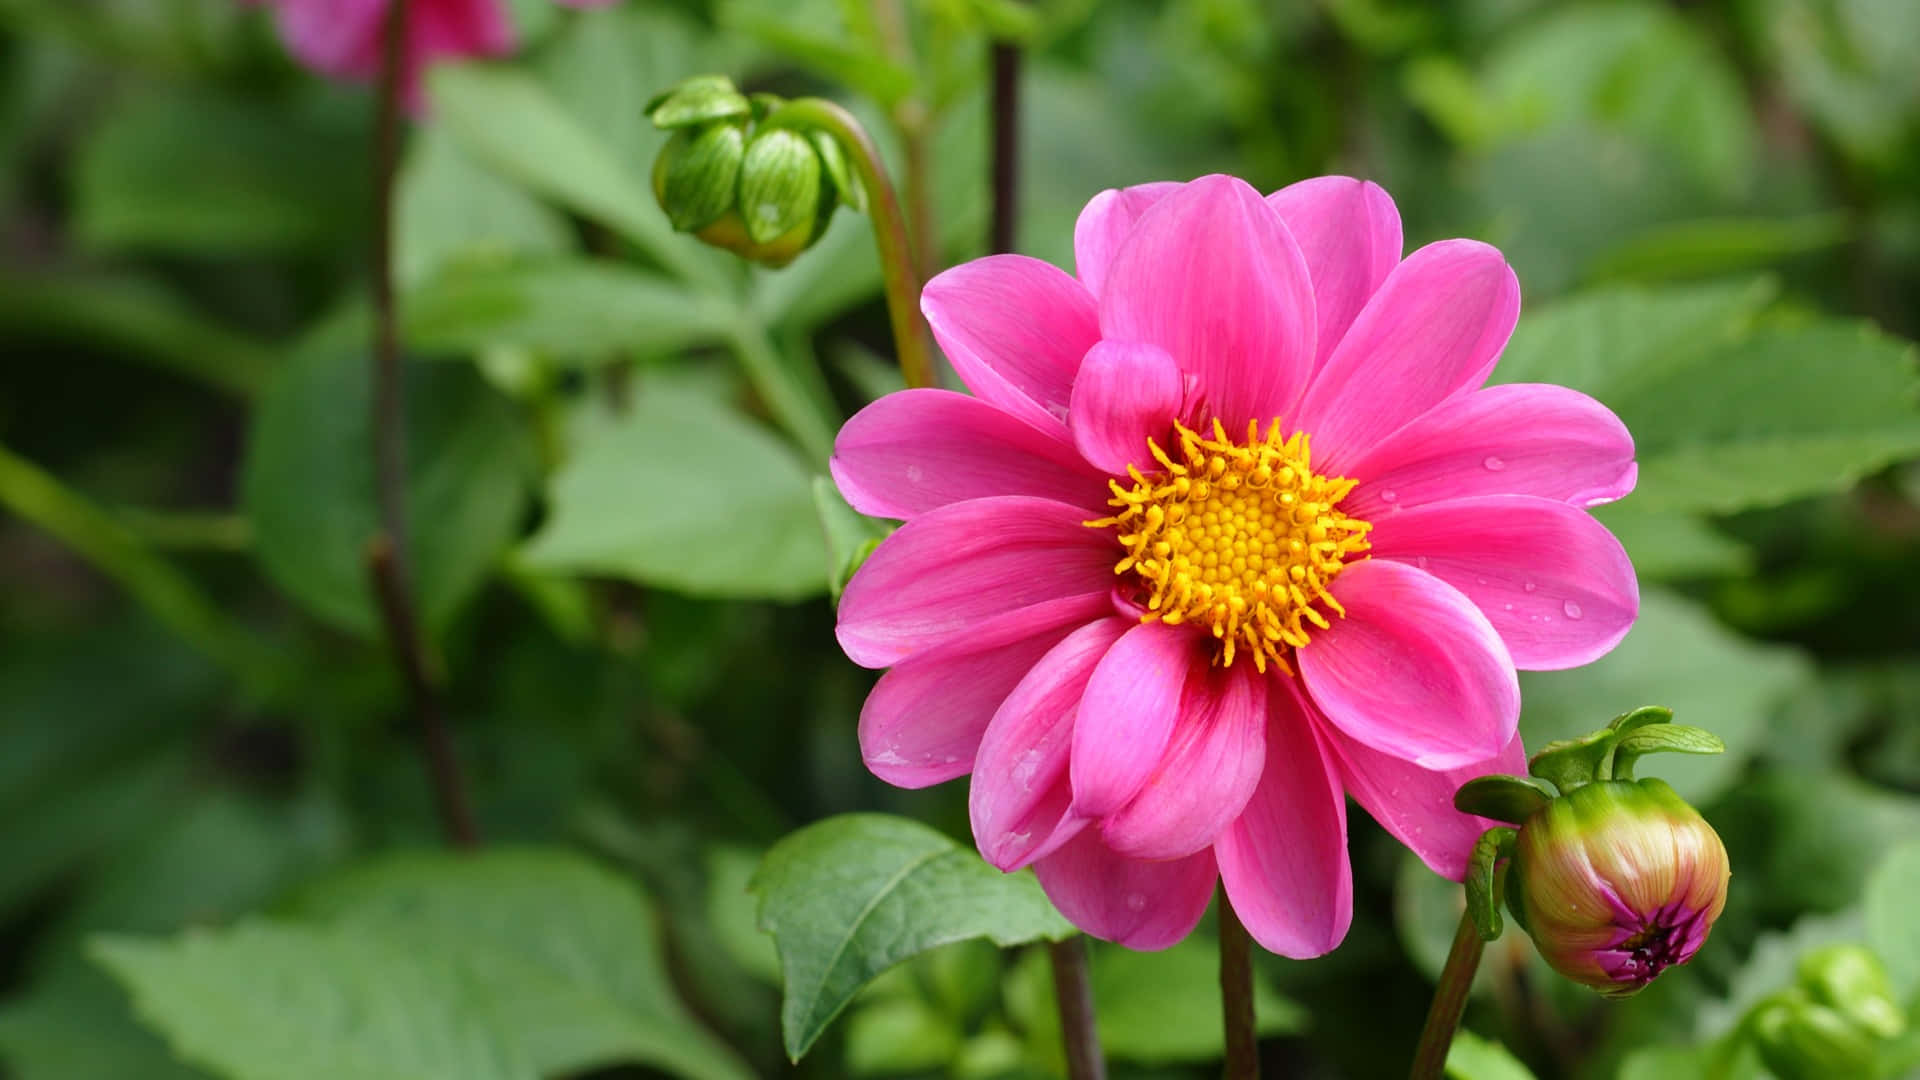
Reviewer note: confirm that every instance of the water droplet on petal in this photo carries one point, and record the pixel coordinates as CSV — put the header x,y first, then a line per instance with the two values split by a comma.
x,y
1136,901
1572,609
1389,496
1421,562
1494,464
1530,586
1507,607
914,473
1480,580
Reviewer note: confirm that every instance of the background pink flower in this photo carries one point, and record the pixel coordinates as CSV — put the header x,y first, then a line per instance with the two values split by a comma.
x,y
1229,530
342,38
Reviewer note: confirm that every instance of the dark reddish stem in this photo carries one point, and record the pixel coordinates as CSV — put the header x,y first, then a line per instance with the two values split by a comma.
x,y
1236,994
1074,993
1006,146
388,566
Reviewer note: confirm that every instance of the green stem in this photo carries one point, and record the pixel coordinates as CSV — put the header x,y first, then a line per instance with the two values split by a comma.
x,y
890,235
1449,1002
1236,994
1073,993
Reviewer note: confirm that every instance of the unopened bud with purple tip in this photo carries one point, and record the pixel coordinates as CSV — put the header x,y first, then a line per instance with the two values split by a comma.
x,y
1618,881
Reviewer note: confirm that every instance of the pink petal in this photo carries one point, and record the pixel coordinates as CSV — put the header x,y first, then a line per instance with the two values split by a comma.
x,y
1211,275
1020,795
1349,232
1554,582
339,38
1415,804
1435,328
1015,329
923,721
1124,395
1414,669
1139,904
1129,713
1105,224
1519,439
917,450
1028,562
1210,769
1284,861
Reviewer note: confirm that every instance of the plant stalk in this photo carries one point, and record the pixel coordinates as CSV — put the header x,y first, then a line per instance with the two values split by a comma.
x,y
1236,994
1079,1031
890,236
1449,1002
388,566
1006,146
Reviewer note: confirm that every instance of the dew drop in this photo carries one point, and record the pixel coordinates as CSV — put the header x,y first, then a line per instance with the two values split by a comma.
x,y
914,473
1508,607
1572,609
1136,901
1480,580
1530,586
1421,562
1494,464
1389,496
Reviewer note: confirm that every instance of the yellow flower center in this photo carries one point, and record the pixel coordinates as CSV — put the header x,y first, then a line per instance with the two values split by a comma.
x,y
1242,539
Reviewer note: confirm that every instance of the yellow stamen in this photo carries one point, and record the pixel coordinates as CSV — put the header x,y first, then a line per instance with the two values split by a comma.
x,y
1238,540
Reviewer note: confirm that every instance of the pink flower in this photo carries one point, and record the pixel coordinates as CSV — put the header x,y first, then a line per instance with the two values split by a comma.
x,y
342,38
1229,531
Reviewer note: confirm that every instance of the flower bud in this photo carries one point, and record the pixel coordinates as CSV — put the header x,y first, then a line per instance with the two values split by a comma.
x,y
764,192
1799,1039
1850,980
1618,880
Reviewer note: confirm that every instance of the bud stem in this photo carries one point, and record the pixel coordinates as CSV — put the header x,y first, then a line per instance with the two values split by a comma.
x,y
897,265
1449,1001
1074,993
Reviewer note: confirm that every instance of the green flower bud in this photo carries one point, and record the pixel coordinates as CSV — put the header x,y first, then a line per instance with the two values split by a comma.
x,y
1617,881
762,191
1799,1039
1850,980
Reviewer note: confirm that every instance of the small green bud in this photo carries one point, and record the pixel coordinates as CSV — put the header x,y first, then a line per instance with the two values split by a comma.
x,y
764,191
1799,1039
1850,980
1617,881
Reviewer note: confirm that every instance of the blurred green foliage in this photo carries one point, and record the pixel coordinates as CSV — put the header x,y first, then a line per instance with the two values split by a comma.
x,y
615,441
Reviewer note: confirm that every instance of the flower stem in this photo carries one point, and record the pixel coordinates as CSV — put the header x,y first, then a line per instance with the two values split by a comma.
x,y
1449,1002
1074,993
897,266
1236,994
1006,146
388,567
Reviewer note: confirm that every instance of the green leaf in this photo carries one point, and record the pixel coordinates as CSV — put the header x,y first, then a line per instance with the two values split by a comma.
x,y
1670,545
198,174
1893,919
1727,415
1754,424
683,493
269,1002
900,1035
1474,1058
575,308
1163,1008
851,896
508,121
565,953
308,484
1676,654
448,209
1718,246
1606,339
76,1024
